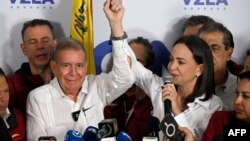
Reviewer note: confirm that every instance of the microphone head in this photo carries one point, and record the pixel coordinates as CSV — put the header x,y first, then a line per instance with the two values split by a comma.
x,y
90,134
73,135
123,136
167,78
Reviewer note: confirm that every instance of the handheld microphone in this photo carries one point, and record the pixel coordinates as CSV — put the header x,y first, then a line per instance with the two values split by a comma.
x,y
90,134
122,136
167,78
73,135
107,128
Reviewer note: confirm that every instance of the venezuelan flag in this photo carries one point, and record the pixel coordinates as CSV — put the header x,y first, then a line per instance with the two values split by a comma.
x,y
81,29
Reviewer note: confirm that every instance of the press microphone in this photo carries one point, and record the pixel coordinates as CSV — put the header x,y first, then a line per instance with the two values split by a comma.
x,y
167,78
90,134
107,128
153,127
123,136
73,135
170,128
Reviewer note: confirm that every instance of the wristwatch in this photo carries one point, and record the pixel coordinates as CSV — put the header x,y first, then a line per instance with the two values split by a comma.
x,y
124,36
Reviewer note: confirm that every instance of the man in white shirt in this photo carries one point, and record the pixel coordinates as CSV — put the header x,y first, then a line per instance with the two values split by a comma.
x,y
74,100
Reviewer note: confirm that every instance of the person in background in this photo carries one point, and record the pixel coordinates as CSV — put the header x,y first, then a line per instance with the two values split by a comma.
x,y
133,109
74,100
238,118
38,45
221,43
247,61
12,125
191,27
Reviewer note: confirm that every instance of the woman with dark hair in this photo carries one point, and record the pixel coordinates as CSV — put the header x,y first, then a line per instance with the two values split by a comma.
x,y
191,92
239,118
12,125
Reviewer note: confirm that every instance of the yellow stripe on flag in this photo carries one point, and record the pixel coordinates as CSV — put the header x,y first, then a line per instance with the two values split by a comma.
x,y
82,29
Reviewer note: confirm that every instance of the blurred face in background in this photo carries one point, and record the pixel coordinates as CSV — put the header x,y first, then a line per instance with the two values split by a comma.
x,y
38,45
221,54
4,95
247,64
242,100
140,53
192,30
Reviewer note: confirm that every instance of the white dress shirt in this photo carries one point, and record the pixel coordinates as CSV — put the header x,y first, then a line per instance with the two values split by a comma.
x,y
195,117
49,110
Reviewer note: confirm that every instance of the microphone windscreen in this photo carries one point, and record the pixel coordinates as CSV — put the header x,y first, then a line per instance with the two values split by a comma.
x,y
73,135
90,134
123,136
167,78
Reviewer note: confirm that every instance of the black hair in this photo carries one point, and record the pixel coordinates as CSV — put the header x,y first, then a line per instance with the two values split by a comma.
x,y
218,27
148,47
197,20
202,55
36,22
244,75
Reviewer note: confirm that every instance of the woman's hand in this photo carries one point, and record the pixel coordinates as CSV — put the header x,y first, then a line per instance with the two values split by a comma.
x,y
169,92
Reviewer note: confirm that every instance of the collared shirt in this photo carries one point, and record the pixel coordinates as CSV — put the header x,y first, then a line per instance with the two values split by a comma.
x,y
7,114
14,123
49,110
226,92
195,117
198,113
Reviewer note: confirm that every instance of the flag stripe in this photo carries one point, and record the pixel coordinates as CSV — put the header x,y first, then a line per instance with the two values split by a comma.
x,y
82,29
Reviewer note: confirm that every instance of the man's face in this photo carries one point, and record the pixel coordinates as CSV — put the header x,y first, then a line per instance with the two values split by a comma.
x,y
192,30
140,53
70,68
38,45
220,54
4,95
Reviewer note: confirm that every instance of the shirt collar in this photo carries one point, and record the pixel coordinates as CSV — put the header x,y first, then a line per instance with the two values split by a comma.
x,y
7,114
60,94
198,101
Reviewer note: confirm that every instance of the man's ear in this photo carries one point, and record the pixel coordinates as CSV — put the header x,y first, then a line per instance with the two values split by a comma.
x,y
54,43
53,66
22,46
230,52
